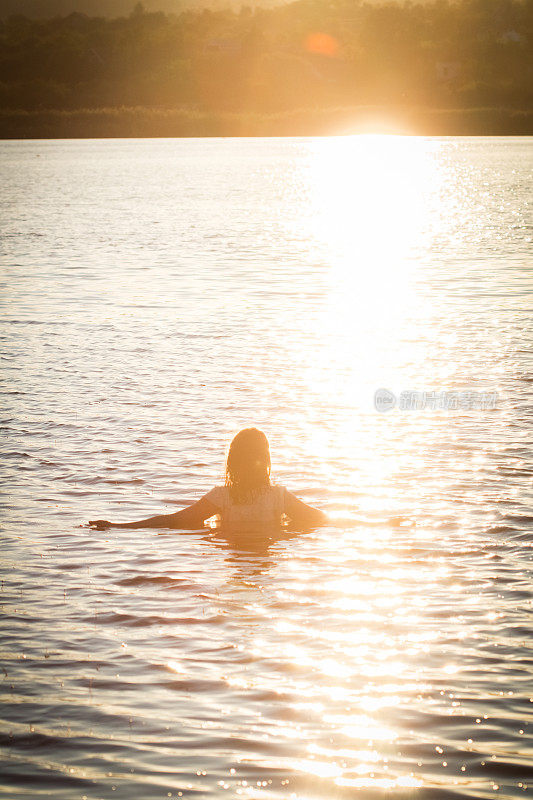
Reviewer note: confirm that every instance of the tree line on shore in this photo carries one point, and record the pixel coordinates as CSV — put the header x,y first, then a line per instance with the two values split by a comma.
x,y
306,54
45,9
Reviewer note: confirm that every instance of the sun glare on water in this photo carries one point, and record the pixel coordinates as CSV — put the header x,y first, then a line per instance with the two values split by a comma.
x,y
370,217
369,213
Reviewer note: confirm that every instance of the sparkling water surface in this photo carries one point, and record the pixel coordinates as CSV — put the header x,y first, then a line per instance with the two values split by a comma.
x,y
158,295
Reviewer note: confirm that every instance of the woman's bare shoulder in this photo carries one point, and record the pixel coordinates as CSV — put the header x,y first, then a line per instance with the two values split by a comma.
x,y
217,495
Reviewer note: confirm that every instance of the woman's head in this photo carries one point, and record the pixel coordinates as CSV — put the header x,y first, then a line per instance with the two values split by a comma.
x,y
247,464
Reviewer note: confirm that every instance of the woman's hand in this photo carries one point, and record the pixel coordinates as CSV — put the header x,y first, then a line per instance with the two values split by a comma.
x,y
190,518
100,524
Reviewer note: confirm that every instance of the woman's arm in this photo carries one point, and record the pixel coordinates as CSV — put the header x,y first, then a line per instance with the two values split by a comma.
x,y
190,518
302,514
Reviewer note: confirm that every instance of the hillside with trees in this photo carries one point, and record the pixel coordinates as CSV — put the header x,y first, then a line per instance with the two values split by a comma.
x,y
305,55
45,9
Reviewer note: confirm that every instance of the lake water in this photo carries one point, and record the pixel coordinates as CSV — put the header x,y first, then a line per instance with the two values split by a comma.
x,y
158,295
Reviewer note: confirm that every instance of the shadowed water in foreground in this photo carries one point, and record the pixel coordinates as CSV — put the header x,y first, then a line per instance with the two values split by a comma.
x,y
163,294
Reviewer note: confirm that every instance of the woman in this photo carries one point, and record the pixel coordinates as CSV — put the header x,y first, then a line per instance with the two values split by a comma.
x,y
247,499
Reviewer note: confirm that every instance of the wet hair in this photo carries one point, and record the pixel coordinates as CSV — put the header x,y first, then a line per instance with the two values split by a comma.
x,y
247,465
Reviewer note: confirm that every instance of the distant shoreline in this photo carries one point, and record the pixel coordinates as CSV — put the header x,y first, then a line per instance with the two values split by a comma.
x,y
140,122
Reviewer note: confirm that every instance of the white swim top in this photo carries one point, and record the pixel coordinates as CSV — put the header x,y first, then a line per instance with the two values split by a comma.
x,y
267,507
